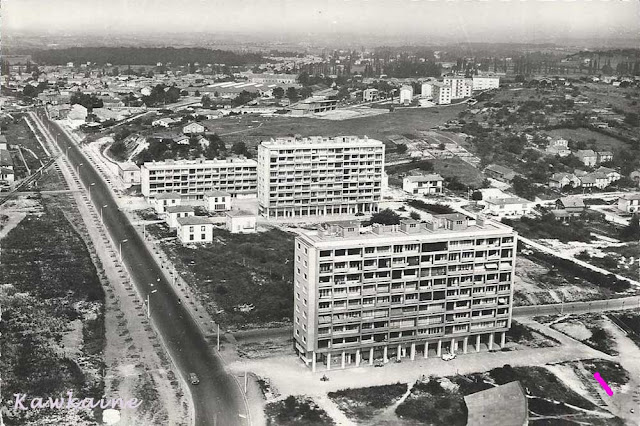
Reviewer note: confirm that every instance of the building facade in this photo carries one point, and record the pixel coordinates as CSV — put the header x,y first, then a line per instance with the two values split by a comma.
x,y
460,87
319,176
405,290
423,184
192,178
441,93
485,82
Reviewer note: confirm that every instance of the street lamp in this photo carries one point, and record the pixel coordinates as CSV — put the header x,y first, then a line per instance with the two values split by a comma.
x,y
101,219
78,168
122,241
90,185
149,305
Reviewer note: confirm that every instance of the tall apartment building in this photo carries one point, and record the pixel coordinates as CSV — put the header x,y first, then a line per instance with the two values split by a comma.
x,y
485,82
441,93
406,290
319,176
460,87
192,178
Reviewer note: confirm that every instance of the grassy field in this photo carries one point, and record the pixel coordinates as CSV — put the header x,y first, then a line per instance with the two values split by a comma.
x,y
241,270
296,411
630,321
365,403
253,129
602,142
50,282
447,168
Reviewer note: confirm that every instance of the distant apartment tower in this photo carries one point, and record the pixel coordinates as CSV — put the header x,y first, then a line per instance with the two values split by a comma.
x,y
485,82
460,87
441,93
409,290
193,178
319,176
406,94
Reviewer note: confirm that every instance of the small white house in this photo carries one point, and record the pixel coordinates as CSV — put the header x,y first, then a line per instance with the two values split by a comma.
x,y
241,222
195,229
193,129
163,122
162,201
508,207
129,173
629,203
423,184
217,201
406,95
173,213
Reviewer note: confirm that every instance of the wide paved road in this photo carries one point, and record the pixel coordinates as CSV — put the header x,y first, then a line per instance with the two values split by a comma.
x,y
578,307
217,399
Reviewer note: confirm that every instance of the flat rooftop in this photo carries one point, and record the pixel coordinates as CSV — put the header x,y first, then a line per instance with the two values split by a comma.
x,y
290,142
189,163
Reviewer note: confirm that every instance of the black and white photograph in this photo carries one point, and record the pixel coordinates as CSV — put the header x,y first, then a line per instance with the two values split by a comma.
x,y
319,212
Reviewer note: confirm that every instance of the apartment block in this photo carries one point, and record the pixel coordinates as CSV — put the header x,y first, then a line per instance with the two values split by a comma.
x,y
193,178
441,93
485,82
460,87
319,176
365,295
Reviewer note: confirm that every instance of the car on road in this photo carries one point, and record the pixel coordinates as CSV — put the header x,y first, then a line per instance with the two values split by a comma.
x,y
193,379
447,356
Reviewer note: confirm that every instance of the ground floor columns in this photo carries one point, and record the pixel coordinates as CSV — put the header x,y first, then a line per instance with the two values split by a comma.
x,y
465,344
384,355
426,350
399,353
453,346
343,358
328,361
491,338
503,339
439,352
313,361
371,356
357,357
413,351
478,343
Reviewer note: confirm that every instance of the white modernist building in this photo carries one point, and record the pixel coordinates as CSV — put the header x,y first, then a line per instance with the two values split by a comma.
x,y
423,184
484,82
441,93
409,290
160,202
240,222
508,207
217,201
195,229
173,213
319,176
406,95
460,87
192,178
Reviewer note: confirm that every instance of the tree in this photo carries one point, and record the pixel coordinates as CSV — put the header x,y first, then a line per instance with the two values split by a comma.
x,y
292,94
632,119
476,196
278,92
240,148
385,217
631,232
401,148
414,215
118,149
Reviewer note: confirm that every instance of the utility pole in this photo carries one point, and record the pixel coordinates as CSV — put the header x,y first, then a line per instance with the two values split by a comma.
x,y
245,382
148,307
218,337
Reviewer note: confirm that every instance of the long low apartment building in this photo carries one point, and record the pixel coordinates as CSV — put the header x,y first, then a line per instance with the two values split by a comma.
x,y
319,176
365,295
193,178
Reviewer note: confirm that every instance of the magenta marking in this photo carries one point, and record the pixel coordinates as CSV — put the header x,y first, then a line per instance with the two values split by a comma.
x,y
604,384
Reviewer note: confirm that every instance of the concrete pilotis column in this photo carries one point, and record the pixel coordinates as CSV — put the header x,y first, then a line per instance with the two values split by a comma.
x,y
343,357
384,354
491,337
439,351
465,344
453,346
413,351
503,339
426,350
313,362
371,356
329,361
478,343
399,353
357,357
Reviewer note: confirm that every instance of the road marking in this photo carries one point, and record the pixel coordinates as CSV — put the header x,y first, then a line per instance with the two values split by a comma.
x,y
604,384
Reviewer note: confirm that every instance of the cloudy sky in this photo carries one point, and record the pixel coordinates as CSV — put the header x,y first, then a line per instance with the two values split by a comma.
x,y
463,20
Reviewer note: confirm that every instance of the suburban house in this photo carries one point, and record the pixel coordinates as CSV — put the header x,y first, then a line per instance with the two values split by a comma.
x,y
588,157
504,405
163,122
195,229
129,173
406,95
217,201
77,113
629,203
162,201
193,129
609,173
423,184
173,213
508,207
370,95
560,180
241,222
181,140
499,172
572,205
558,146
594,180
604,156
7,175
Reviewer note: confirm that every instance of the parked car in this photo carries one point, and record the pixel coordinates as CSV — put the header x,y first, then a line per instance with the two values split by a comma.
x,y
447,356
378,363
193,379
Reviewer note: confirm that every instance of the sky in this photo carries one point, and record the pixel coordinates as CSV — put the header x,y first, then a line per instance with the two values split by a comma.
x,y
460,20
